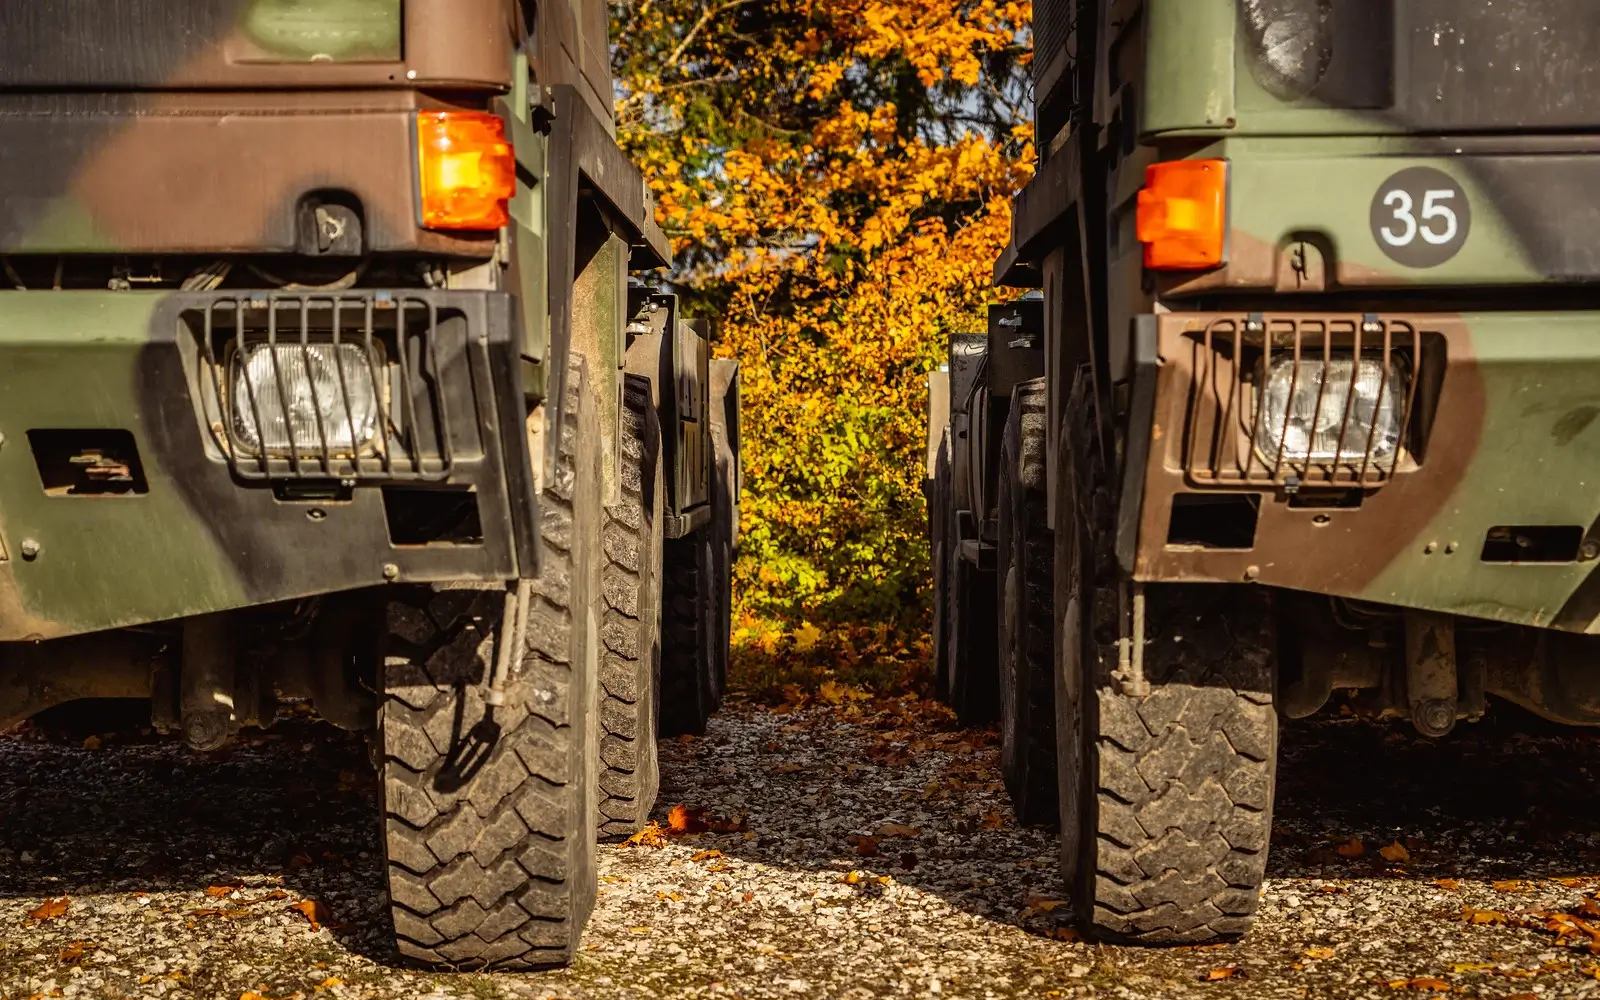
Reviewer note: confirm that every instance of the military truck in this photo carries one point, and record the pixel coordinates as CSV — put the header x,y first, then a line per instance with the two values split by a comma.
x,y
321,378
1307,404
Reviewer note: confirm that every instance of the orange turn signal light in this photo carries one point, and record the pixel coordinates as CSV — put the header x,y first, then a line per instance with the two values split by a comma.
x,y
1183,212
468,170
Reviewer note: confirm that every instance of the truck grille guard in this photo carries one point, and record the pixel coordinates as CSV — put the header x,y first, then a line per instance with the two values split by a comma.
x,y
381,417
1227,416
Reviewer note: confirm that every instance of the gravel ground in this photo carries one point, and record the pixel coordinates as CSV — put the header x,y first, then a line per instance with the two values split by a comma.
x,y
852,851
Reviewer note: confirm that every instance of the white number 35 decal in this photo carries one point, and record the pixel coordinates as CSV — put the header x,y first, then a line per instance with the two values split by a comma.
x,y
1420,217
1436,212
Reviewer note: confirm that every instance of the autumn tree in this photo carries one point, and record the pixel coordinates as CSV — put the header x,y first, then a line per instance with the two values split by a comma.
x,y
836,177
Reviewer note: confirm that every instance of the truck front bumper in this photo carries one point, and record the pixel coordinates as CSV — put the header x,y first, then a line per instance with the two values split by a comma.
x,y
1490,508
128,494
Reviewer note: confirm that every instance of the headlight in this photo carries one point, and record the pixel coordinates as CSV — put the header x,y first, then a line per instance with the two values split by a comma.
x,y
1308,430
299,395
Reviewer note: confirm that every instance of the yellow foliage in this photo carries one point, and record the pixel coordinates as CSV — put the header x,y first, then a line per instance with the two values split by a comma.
x,y
836,177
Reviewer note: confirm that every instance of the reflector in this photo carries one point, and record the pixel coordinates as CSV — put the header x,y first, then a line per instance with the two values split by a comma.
x,y
467,170
1183,214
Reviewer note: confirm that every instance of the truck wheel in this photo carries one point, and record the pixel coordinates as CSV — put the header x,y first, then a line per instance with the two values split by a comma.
x,y
939,539
630,663
688,694
1166,799
490,809
1026,578
724,527
970,616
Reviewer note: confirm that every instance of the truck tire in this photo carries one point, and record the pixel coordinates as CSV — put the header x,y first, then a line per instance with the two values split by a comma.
x,y
939,533
630,663
972,689
1026,577
725,533
688,691
490,809
1166,799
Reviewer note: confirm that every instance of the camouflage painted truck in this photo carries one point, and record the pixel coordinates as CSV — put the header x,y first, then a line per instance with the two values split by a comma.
x,y
1306,402
321,377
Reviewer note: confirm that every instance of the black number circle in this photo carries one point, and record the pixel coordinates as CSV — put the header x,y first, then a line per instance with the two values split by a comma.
x,y
1420,217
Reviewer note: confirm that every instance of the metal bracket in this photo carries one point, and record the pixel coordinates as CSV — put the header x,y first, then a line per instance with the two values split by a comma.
x,y
1130,646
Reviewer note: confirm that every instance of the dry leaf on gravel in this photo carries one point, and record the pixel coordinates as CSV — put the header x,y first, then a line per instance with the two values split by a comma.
x,y
93,743
866,847
219,890
1448,883
1473,915
73,953
1395,852
683,819
1226,972
1471,966
1419,983
313,911
50,908
1318,953
898,830
1352,848
1512,885
651,836
835,693
706,855
993,820
329,983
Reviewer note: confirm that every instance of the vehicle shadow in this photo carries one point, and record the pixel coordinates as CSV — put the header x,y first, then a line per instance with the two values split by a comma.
x,y
1509,798
296,808
130,812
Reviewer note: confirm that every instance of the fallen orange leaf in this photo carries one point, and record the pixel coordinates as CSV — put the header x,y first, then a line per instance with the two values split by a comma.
x,y
73,953
1419,983
50,908
651,836
1319,952
1395,852
898,830
93,743
1226,972
1512,885
312,911
682,819
706,855
218,890
1447,883
1472,915
993,820
1352,848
